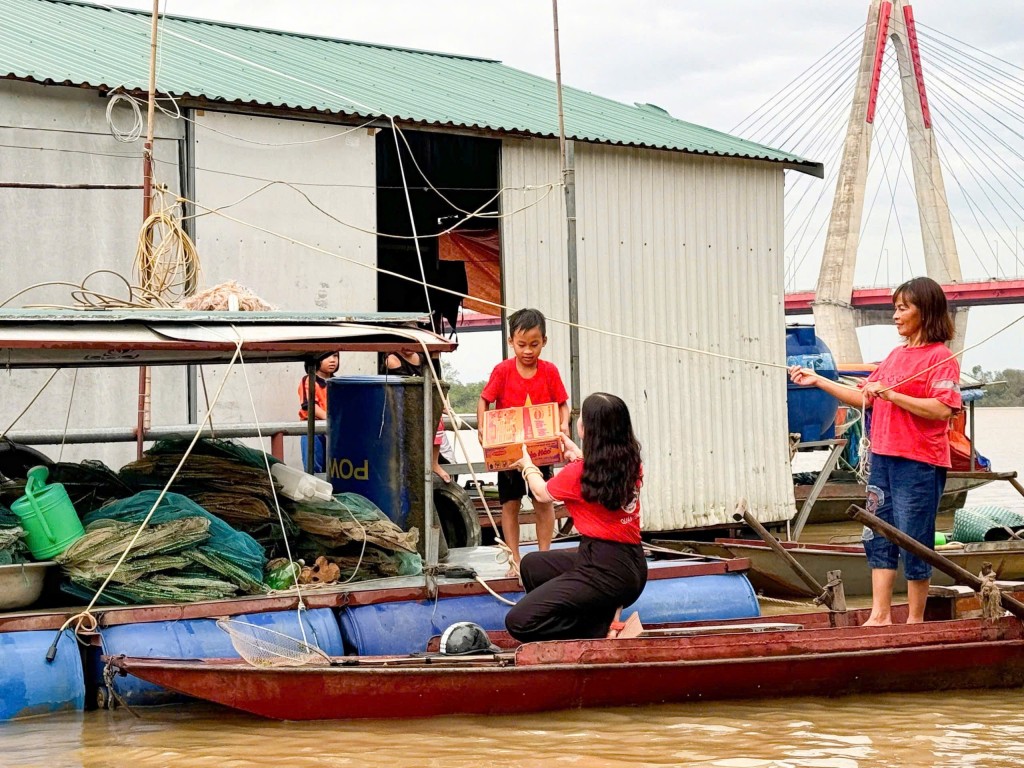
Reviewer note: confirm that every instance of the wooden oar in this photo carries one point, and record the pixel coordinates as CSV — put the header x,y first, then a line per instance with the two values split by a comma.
x,y
914,547
824,596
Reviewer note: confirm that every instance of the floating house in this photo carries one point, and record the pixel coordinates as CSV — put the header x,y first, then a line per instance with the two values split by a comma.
x,y
305,165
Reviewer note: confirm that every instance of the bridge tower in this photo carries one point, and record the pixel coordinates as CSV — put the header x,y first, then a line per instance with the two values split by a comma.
x,y
835,318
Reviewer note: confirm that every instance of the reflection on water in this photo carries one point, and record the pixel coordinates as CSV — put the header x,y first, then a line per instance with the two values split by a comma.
x,y
983,728
948,729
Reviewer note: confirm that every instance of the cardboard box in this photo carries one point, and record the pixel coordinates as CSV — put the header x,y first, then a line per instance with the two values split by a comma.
x,y
506,430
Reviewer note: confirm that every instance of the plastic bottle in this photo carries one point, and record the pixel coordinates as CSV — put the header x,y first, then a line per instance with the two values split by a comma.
x,y
284,576
940,539
299,486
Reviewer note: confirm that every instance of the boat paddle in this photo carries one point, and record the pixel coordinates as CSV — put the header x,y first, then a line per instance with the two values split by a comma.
x,y
825,596
914,547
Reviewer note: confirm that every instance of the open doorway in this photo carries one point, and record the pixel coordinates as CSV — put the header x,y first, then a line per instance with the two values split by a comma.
x,y
464,171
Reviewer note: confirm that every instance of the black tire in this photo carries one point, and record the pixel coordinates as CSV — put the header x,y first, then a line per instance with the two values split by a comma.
x,y
459,522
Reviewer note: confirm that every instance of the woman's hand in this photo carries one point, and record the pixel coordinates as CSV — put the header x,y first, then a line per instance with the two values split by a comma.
x,y
570,450
523,462
802,377
875,389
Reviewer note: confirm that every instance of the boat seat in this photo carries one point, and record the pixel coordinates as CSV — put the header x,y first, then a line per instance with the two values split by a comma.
x,y
722,629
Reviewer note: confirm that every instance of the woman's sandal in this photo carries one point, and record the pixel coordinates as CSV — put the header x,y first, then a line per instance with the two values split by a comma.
x,y
631,627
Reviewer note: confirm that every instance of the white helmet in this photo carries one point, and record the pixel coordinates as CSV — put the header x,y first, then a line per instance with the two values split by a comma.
x,y
465,637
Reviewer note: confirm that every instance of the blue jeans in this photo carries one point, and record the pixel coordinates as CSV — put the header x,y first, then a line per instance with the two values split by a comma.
x,y
905,494
319,453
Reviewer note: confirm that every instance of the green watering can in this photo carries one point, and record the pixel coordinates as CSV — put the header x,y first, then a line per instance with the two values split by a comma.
x,y
47,515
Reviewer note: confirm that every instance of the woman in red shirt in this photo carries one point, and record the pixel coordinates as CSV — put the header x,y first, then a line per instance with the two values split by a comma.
x,y
912,395
574,594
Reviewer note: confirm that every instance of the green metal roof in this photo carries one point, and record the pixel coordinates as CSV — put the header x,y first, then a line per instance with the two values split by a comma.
x,y
78,43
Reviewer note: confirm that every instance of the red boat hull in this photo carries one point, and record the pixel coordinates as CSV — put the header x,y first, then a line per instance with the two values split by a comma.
x,y
599,673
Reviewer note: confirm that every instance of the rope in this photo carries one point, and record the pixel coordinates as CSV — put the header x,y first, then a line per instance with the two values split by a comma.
x,y
30,403
781,601
87,612
135,131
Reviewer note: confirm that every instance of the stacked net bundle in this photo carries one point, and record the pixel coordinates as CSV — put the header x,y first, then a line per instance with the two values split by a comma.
x,y
185,553
986,523
12,539
354,534
224,477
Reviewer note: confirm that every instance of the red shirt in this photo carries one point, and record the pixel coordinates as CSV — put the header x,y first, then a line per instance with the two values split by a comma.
x,y
592,518
508,389
897,432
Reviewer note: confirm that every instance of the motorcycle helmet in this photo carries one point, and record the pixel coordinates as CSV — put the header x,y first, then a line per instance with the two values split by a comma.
x,y
464,638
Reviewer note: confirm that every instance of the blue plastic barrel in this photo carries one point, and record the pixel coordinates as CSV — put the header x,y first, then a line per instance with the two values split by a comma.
x,y
200,639
812,412
29,684
715,597
375,443
405,627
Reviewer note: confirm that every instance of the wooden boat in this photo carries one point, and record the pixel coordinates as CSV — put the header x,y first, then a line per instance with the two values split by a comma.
x,y
838,495
770,575
801,654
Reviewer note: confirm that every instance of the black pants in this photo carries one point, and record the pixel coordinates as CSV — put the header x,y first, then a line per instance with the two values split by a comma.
x,y
573,594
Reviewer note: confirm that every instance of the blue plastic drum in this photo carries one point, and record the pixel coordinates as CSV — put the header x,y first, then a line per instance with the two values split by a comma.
x,y
812,412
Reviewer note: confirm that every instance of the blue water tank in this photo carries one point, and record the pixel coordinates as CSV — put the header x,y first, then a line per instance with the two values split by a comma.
x,y
375,443
714,597
29,684
406,626
812,412
199,639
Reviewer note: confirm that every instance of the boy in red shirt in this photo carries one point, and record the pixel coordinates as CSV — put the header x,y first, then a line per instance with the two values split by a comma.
x,y
521,380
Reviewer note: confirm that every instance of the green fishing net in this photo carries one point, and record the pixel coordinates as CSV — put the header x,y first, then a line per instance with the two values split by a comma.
x,y
234,546
985,523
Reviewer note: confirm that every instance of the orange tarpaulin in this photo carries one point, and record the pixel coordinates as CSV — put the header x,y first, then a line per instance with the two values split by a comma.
x,y
480,250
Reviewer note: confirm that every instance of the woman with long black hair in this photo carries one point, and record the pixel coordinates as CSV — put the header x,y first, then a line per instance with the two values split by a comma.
x,y
573,594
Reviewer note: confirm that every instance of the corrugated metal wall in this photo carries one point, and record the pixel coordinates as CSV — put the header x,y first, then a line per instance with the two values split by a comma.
x,y
56,135
685,251
63,235
534,272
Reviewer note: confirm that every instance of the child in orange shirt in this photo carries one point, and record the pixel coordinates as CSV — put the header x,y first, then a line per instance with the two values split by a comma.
x,y
514,382
327,365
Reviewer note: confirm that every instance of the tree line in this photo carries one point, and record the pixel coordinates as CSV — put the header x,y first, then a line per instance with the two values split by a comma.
x,y
1005,388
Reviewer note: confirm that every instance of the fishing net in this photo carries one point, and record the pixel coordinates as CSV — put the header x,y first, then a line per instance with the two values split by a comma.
x,y
218,563
349,517
264,647
986,523
230,450
224,477
12,539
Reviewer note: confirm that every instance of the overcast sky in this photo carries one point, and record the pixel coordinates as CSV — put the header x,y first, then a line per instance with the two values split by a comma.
x,y
712,63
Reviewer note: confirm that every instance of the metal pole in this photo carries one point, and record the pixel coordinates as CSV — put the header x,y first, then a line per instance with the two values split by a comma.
x,y
567,162
430,529
187,183
145,379
311,417
974,452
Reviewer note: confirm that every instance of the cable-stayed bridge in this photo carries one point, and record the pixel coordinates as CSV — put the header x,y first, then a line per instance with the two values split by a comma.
x,y
922,137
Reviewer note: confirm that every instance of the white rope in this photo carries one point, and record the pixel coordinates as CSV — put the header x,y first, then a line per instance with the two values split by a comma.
x,y
134,132
163,492
67,420
30,403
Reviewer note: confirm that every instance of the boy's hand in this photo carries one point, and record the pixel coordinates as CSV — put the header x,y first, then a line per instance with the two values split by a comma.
x,y
480,435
